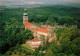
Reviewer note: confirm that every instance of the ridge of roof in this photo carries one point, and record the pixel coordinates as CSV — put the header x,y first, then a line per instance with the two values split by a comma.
x,y
28,24
35,39
42,30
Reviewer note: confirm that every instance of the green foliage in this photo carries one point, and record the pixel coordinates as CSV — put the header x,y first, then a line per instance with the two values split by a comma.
x,y
69,39
78,25
54,14
51,15
40,54
12,32
69,43
49,53
9,53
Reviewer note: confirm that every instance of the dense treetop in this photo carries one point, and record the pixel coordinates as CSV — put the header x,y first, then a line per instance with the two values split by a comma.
x,y
12,33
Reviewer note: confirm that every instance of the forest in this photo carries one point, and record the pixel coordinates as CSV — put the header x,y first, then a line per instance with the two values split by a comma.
x,y
13,33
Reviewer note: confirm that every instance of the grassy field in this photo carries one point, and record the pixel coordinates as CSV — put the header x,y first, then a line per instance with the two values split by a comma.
x,y
26,45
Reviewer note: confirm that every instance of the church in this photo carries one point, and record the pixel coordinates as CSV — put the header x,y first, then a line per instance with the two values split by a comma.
x,y
37,31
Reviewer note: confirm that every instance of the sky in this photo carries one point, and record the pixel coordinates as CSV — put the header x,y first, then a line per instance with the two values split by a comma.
x,y
25,2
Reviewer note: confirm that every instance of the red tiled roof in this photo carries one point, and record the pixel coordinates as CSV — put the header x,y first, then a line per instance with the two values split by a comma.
x,y
35,39
42,30
27,24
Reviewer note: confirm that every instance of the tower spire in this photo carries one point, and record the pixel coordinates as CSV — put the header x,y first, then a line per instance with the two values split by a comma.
x,y
25,16
25,10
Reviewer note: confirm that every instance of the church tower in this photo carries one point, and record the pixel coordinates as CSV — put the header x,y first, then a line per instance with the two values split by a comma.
x,y
25,16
